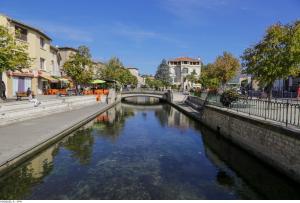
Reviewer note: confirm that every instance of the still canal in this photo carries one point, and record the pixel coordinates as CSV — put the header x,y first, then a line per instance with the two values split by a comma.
x,y
145,151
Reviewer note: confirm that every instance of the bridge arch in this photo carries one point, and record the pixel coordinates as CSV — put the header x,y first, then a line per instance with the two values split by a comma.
x,y
155,94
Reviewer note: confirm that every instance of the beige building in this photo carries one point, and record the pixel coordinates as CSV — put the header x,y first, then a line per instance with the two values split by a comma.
x,y
135,72
45,63
65,53
181,67
97,67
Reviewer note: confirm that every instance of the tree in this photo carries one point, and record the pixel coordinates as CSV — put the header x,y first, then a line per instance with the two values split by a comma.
x,y
126,78
192,77
276,56
13,54
163,73
208,78
114,70
226,67
153,83
79,66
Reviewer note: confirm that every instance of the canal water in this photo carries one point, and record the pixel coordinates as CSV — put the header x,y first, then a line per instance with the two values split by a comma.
x,y
145,151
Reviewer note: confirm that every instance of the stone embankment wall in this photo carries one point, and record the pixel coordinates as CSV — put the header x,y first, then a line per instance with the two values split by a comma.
x,y
277,145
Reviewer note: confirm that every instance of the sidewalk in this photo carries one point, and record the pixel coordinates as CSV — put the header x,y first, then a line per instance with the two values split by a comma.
x,y
19,140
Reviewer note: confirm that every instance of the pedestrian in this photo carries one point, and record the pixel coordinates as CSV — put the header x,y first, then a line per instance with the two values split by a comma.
x,y
3,90
32,99
298,92
1,87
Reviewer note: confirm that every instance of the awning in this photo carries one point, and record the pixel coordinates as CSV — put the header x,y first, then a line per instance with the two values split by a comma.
x,y
197,85
64,80
48,77
98,82
22,73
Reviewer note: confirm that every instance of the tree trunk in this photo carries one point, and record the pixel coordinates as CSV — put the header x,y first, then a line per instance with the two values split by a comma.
x,y
76,87
269,92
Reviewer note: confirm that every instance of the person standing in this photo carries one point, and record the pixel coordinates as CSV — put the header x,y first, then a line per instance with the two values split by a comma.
x,y
3,90
298,92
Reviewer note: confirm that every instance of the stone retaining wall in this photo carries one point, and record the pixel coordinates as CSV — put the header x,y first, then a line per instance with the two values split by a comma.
x,y
277,145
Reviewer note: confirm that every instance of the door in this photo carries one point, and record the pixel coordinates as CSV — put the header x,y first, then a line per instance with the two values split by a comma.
x,y
21,84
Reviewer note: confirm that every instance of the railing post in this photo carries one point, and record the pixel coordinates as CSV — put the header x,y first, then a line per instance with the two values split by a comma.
x,y
287,112
266,109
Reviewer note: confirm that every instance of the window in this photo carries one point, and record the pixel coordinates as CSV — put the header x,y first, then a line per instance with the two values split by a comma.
x,y
53,67
42,42
21,33
185,71
42,64
185,62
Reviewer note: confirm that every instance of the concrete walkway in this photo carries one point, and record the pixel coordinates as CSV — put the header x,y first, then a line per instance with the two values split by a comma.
x,y
21,139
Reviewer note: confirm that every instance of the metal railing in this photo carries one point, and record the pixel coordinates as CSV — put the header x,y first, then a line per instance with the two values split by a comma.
x,y
286,112
142,90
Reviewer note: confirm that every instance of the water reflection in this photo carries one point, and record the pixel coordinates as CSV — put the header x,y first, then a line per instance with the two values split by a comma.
x,y
80,144
145,152
110,124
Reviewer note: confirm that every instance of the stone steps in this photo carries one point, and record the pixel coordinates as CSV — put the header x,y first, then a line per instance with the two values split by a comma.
x,y
26,105
16,112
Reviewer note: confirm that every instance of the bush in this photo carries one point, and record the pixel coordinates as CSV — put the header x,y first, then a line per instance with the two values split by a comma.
x,y
228,97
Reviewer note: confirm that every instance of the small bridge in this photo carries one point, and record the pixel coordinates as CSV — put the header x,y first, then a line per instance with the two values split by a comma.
x,y
145,93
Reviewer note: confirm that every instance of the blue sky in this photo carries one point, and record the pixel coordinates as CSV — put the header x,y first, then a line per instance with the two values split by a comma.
x,y
143,32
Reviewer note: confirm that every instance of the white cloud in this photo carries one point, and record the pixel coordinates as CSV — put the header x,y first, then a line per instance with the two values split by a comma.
x,y
191,9
60,31
133,32
140,35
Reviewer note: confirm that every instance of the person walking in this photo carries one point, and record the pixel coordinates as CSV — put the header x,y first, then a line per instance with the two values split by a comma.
x,y
3,90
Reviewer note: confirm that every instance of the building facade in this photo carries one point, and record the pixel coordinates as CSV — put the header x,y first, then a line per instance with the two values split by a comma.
x,y
44,64
182,67
65,54
135,72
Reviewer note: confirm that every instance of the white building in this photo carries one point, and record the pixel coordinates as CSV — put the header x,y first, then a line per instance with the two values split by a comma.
x,y
181,67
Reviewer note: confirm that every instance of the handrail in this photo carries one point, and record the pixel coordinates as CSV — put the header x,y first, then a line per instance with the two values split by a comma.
x,y
285,112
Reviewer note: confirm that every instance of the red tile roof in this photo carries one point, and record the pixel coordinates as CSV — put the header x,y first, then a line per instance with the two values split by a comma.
x,y
185,59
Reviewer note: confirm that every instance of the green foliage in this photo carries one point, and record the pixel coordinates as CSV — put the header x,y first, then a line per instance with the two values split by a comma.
x,y
153,83
220,72
79,66
13,54
228,97
208,78
192,77
276,56
163,73
114,70
226,67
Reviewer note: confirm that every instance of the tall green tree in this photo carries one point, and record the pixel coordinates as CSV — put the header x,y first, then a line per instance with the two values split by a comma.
x,y
163,73
114,70
79,66
226,67
276,56
13,54
208,78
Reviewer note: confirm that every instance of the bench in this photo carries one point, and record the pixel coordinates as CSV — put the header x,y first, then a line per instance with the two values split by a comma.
x,y
20,95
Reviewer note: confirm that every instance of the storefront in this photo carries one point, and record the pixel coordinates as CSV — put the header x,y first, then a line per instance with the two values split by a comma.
x,y
20,81
45,82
